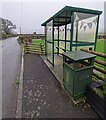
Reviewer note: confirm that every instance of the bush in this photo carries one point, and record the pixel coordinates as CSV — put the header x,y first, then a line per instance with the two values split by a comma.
x,y
4,36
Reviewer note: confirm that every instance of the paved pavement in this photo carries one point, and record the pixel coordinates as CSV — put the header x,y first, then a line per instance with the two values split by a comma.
x,y
43,96
11,57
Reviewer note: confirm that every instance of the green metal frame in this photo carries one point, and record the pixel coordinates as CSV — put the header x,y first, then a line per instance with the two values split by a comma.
x,y
58,40
64,17
45,40
53,42
66,30
65,35
76,34
50,42
72,29
96,32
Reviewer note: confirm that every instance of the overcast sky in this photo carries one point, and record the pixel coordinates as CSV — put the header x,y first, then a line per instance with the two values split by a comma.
x,y
30,15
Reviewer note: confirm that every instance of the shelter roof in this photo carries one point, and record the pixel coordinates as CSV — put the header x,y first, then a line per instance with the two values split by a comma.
x,y
64,15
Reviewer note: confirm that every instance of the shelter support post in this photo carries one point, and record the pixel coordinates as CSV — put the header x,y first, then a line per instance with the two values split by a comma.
x,y
45,40
76,34
65,35
53,42
72,28
58,40
96,32
66,30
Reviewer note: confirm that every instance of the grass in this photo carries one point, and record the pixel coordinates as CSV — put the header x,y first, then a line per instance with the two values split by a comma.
x,y
17,80
101,48
101,43
19,41
38,41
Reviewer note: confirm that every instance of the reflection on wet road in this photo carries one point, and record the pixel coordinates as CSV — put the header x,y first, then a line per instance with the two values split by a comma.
x,y
11,57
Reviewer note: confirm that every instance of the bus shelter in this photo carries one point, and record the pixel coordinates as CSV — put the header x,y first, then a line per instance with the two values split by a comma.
x,y
70,29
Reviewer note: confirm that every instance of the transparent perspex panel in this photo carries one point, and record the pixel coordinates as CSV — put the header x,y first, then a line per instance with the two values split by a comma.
x,y
61,45
61,38
49,31
62,32
68,45
55,33
68,31
49,52
55,39
84,28
49,41
55,45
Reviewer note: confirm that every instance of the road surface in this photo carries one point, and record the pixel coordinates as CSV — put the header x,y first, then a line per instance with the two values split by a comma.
x,y
11,59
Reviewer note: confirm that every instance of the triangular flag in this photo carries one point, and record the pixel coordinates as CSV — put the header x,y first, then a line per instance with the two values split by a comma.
x,y
75,24
56,28
60,29
68,29
95,21
89,25
76,17
84,27
82,23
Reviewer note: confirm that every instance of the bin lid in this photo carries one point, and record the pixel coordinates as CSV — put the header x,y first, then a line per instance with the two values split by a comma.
x,y
78,55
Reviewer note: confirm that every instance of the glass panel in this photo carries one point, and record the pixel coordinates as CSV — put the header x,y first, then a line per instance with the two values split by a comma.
x,y
55,33
55,45
68,45
49,39
68,31
49,31
88,30
84,28
62,33
49,52
73,48
61,45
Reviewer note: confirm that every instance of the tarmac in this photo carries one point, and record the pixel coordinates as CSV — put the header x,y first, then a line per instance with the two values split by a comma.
x,y
43,97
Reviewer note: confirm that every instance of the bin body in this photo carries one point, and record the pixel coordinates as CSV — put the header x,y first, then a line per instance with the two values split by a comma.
x,y
75,78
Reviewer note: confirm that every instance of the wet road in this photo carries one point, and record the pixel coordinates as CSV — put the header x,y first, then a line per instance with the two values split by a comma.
x,y
11,59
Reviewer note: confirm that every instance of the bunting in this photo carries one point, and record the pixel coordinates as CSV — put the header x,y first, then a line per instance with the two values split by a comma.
x,y
61,29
